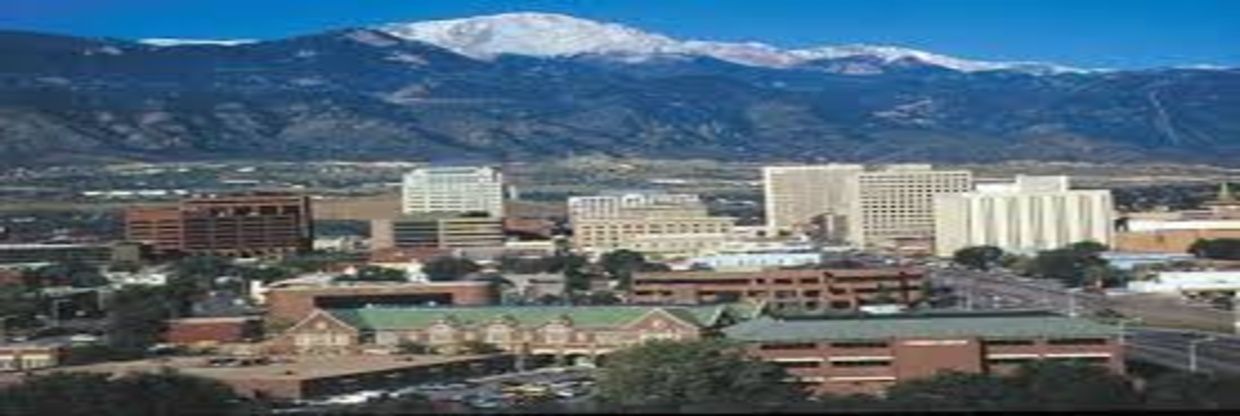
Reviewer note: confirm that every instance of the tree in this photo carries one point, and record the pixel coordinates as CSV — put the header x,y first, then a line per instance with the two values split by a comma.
x,y
956,391
69,394
376,274
1093,387
19,304
1220,249
705,375
74,273
169,393
978,257
165,393
621,264
443,269
137,316
1070,264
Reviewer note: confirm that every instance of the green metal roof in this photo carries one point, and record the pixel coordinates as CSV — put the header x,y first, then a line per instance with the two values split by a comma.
x,y
927,326
526,316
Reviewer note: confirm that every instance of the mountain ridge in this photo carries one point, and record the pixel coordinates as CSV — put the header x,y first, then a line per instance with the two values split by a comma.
x,y
366,94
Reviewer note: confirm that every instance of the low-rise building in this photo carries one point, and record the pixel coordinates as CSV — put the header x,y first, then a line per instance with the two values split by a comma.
x,y
787,289
869,354
1191,283
213,330
93,254
292,303
443,230
25,356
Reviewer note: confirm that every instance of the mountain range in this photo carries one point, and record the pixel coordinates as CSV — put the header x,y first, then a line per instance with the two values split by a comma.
x,y
530,86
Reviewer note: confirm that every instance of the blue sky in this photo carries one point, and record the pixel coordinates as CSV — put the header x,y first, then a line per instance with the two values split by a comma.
x,y
1091,33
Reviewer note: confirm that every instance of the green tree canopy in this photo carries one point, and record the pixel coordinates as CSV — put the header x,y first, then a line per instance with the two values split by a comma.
x,y
448,268
88,394
137,316
1219,249
707,375
956,391
1091,387
978,257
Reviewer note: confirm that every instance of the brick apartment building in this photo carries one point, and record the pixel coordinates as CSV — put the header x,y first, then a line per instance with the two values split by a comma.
x,y
211,330
803,289
292,304
567,331
869,354
233,226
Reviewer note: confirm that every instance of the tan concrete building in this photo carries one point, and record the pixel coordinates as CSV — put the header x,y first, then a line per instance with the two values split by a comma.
x,y
788,289
437,230
1034,213
668,225
796,196
897,202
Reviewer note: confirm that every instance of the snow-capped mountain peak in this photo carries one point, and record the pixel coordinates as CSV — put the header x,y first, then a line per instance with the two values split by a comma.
x,y
531,34
182,42
557,35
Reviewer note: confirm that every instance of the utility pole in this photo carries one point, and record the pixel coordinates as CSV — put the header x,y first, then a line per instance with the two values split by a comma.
x,y
1123,330
1192,352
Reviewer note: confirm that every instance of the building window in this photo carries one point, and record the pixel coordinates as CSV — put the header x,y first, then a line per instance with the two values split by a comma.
x,y
441,334
797,364
859,344
861,363
556,334
498,334
1003,342
1078,341
788,346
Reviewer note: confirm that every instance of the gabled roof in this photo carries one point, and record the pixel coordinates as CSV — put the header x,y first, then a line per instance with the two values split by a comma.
x,y
524,316
917,326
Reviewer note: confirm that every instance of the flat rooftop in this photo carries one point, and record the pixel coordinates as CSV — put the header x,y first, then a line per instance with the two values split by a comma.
x,y
775,273
1021,324
280,368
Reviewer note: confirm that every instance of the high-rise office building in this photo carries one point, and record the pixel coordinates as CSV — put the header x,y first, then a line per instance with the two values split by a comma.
x,y
241,226
897,202
453,189
798,196
1033,213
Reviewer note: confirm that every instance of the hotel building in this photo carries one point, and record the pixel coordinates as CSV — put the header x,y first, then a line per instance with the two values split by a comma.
x,y
897,202
797,197
453,189
1033,213
672,226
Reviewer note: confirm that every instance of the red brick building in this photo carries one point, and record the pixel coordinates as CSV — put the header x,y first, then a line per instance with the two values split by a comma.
x,y
213,330
234,226
869,354
804,289
294,303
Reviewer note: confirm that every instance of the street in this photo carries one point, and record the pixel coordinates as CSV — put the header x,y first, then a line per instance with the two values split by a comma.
x,y
1163,346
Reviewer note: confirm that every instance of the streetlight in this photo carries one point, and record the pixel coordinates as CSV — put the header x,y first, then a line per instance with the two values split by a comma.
x,y
1072,301
56,311
1192,352
1123,331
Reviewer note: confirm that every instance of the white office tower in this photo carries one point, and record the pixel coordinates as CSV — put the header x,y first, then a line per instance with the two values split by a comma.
x,y
1033,213
897,202
797,196
453,189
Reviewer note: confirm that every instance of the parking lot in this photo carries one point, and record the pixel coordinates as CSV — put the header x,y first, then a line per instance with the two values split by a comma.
x,y
564,385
